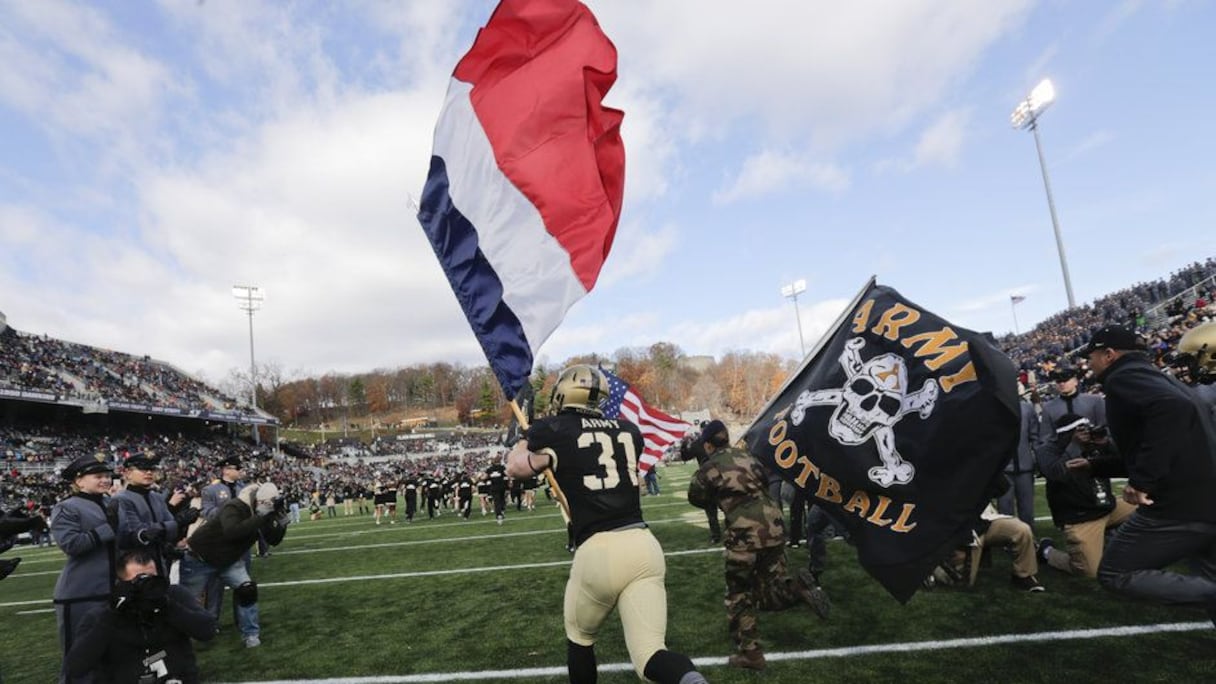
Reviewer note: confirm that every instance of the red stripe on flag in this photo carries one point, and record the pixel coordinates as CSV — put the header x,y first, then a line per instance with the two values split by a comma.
x,y
659,430
540,70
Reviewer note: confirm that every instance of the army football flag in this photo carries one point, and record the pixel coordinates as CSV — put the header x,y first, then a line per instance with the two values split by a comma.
x,y
896,424
527,176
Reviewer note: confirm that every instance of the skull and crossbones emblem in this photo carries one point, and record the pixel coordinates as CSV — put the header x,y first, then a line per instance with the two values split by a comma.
x,y
873,399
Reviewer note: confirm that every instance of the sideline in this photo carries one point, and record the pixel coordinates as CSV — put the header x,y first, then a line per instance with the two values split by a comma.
x,y
718,661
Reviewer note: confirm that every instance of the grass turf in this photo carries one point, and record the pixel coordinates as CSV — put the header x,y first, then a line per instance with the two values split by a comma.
x,y
510,617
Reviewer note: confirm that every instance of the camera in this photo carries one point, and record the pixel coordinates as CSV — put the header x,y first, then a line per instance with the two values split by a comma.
x,y
1098,432
144,595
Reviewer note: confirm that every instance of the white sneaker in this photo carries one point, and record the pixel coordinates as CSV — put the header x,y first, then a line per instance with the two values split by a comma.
x,y
252,641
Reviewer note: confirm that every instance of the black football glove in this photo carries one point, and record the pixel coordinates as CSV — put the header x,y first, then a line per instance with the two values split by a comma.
x,y
7,566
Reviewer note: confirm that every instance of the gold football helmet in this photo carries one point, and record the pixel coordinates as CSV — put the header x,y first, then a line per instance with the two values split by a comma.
x,y
1200,343
580,387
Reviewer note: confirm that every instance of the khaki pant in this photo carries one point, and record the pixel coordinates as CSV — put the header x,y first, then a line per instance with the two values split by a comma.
x,y
1002,532
626,569
1085,542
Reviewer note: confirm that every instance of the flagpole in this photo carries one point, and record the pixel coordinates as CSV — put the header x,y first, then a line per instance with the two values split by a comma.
x,y
1013,304
819,345
547,472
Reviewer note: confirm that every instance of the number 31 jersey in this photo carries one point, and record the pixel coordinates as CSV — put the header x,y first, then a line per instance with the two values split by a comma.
x,y
595,462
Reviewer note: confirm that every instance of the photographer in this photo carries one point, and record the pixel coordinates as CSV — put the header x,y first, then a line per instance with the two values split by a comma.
x,y
144,634
10,527
218,546
1077,465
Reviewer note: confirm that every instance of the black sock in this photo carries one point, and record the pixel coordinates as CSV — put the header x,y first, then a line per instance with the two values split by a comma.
x,y
580,663
668,666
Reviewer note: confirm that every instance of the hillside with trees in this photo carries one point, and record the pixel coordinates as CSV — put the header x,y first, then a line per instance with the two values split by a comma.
x,y
734,386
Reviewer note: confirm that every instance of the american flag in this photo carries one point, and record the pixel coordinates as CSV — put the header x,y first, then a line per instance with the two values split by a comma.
x,y
1017,299
659,430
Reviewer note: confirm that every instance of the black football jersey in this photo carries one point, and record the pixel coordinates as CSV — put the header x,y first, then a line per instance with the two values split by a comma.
x,y
498,477
596,466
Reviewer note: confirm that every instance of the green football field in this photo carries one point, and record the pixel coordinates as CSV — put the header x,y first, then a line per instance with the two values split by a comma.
x,y
447,600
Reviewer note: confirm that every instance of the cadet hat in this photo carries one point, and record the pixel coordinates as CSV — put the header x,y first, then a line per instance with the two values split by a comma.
x,y
1113,337
230,462
87,465
712,428
1063,374
143,460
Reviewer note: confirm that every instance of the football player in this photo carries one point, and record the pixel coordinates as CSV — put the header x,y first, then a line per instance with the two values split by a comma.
x,y
617,560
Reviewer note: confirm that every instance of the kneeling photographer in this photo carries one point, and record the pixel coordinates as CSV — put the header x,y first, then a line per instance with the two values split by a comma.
x,y
144,634
218,546
11,526
1078,464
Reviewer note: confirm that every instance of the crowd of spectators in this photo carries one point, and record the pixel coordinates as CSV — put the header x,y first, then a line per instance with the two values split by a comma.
x,y
1161,311
75,371
189,462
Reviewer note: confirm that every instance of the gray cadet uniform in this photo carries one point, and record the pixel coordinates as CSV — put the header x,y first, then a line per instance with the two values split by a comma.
x,y
1089,406
83,531
1019,500
144,520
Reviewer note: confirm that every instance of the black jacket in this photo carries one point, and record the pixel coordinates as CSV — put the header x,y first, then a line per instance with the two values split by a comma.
x,y
112,645
222,541
1167,437
1077,496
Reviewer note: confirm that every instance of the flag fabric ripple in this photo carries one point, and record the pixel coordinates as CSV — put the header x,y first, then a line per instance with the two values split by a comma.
x,y
659,430
527,176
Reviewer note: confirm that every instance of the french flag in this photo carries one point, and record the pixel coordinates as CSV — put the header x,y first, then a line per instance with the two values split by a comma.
x,y
527,175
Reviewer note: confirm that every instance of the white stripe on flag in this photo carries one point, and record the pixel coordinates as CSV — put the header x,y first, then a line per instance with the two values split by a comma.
x,y
538,280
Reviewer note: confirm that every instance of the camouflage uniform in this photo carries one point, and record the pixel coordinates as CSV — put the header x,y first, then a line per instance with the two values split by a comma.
x,y
756,576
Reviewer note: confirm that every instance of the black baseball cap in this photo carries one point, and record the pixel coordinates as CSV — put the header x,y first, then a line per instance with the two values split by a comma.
x,y
1113,337
230,462
712,428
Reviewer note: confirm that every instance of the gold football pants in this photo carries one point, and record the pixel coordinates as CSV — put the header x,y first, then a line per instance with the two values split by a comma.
x,y
622,568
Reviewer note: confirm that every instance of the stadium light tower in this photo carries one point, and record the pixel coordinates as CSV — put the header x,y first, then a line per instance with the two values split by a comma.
x,y
792,291
250,298
1026,116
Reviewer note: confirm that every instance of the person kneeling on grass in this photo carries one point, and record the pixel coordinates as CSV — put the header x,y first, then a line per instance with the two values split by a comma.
x,y
144,633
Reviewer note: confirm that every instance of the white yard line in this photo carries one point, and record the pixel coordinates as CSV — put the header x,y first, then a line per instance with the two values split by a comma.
x,y
402,575
818,654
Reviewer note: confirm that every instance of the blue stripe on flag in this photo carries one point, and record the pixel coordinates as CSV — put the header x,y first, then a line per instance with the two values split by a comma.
x,y
475,282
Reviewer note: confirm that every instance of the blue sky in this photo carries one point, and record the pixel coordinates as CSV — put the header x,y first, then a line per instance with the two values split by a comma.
x,y
152,155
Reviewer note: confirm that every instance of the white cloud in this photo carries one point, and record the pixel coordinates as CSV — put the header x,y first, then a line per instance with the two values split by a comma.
x,y
824,73
1087,144
774,172
992,300
939,145
637,253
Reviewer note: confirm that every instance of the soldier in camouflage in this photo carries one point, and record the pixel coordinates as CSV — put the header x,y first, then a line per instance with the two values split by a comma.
x,y
756,575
